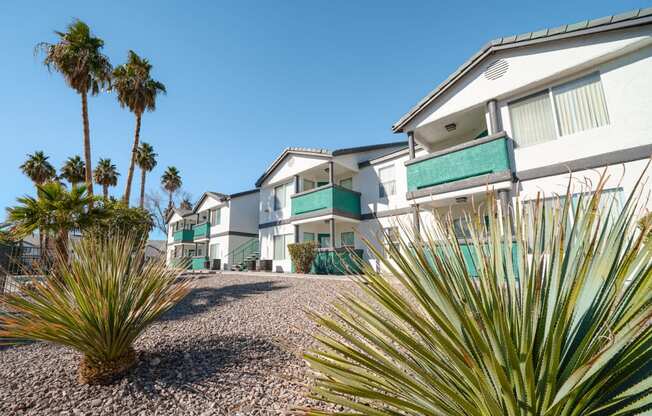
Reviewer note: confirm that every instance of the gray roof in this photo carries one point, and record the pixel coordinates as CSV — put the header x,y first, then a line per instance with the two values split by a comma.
x,y
181,212
618,21
324,153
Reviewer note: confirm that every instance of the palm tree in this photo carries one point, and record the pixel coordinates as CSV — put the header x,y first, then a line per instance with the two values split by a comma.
x,y
146,161
137,91
56,211
38,169
73,170
105,174
78,57
171,181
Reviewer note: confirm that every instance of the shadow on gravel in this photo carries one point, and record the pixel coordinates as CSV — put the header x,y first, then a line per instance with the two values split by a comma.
x,y
210,361
201,299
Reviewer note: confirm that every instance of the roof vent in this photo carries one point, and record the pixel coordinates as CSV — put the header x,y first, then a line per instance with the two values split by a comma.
x,y
496,70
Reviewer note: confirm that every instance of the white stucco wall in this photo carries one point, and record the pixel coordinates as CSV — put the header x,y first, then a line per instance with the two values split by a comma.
x,y
627,88
529,67
244,211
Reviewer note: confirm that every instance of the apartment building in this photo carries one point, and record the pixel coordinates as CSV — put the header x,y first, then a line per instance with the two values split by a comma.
x,y
317,195
214,231
526,110
518,118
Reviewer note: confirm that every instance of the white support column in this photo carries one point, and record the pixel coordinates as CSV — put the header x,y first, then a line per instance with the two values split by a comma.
x,y
494,117
411,144
331,173
332,224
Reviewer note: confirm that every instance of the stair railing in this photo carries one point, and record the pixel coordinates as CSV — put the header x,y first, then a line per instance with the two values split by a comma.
x,y
238,255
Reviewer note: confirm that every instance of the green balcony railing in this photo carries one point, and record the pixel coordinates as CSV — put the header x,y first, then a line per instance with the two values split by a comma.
x,y
183,236
325,198
201,230
199,263
486,156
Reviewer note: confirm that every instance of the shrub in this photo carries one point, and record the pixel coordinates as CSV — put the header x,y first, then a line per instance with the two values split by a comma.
x,y
98,303
118,217
302,255
555,320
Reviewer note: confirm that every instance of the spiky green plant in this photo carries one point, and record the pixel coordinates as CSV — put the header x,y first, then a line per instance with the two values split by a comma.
x,y
557,319
98,303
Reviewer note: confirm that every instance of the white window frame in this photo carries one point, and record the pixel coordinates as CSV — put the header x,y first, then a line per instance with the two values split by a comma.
x,y
286,238
382,186
216,247
350,178
216,216
551,102
286,198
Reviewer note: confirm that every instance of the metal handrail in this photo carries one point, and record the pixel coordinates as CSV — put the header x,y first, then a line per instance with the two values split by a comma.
x,y
240,253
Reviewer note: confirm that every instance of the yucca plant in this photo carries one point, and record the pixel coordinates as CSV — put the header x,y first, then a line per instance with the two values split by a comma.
x,y
98,303
545,309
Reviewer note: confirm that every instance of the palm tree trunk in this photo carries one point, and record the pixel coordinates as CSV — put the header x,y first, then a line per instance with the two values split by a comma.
x,y
87,145
132,164
62,245
105,192
170,201
143,172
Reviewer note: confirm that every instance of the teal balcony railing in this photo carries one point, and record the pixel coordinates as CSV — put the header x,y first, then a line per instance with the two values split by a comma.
x,y
326,198
480,157
183,236
201,230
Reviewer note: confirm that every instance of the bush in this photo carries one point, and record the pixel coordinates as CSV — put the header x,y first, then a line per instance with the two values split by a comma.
x,y
117,217
98,303
555,319
302,255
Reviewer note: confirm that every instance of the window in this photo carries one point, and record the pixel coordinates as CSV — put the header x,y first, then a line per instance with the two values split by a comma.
x,y
282,196
462,227
346,183
216,216
214,251
281,246
308,236
559,111
532,120
611,203
347,239
324,240
580,105
387,185
308,184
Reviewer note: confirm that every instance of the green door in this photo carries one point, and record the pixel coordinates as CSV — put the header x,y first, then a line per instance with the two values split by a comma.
x,y
324,240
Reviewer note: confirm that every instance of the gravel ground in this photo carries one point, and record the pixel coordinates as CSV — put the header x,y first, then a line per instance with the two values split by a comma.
x,y
232,347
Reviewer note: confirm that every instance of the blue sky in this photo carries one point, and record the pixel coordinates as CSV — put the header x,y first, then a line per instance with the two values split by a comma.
x,y
246,79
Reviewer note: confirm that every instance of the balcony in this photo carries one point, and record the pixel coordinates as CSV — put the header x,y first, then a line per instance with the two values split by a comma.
x,y
183,236
199,263
475,163
201,230
327,199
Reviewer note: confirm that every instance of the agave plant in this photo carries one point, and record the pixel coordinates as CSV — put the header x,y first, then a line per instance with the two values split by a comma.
x,y
98,304
545,309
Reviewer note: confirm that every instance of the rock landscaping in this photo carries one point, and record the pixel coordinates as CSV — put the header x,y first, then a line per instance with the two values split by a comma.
x,y
232,347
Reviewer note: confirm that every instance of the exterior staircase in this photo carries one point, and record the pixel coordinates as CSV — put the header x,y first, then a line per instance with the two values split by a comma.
x,y
248,251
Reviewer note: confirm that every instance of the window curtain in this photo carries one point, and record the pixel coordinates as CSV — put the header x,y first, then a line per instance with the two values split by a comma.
x,y
532,120
580,105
